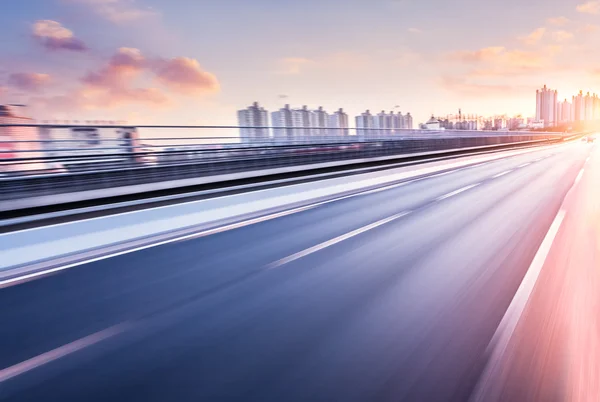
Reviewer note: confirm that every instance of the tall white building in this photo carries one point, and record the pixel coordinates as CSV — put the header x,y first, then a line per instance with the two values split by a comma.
x,y
382,121
365,121
319,122
301,121
338,123
578,113
546,104
282,123
408,121
564,112
251,117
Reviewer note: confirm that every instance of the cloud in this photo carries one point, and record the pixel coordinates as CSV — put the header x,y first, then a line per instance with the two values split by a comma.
x,y
30,82
591,7
481,55
53,36
294,65
184,75
559,21
115,83
124,66
562,36
534,37
590,28
119,11
468,89
415,30
499,62
282,96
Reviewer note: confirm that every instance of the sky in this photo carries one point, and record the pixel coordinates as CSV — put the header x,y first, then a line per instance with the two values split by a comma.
x,y
198,61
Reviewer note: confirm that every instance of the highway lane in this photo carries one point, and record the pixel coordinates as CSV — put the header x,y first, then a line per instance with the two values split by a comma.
x,y
554,354
403,310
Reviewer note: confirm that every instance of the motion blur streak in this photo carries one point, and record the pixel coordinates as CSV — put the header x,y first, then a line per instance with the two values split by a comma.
x,y
554,354
403,312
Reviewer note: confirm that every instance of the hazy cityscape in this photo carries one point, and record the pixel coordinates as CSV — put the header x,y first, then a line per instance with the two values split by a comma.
x,y
316,201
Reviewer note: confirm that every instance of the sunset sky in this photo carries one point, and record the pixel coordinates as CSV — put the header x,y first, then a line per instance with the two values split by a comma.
x,y
198,61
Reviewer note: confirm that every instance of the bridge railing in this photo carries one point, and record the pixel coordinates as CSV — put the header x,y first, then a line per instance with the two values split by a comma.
x,y
42,160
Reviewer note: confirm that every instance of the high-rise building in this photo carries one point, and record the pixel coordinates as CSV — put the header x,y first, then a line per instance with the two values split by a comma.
x,y
364,123
301,120
588,102
338,123
578,107
319,122
282,123
564,112
251,117
399,121
408,121
546,104
382,122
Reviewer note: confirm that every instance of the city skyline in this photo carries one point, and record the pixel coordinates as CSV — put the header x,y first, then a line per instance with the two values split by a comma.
x,y
288,123
195,63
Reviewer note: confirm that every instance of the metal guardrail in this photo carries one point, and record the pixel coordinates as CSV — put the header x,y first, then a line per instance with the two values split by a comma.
x,y
48,160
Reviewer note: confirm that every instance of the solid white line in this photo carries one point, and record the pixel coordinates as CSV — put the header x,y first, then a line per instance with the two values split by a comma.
x,y
460,190
499,343
579,176
27,277
525,164
336,240
587,159
501,174
48,357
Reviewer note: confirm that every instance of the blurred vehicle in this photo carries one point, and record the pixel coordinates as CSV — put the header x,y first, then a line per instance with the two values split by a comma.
x,y
590,139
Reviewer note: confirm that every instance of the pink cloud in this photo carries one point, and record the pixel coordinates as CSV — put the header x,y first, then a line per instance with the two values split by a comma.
x,y
534,37
53,36
591,7
559,21
114,84
476,56
471,89
184,75
119,11
124,79
562,36
124,66
294,65
590,28
31,82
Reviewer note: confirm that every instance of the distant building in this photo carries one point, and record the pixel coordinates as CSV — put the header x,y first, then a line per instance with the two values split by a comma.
x,y
515,123
433,124
282,123
301,121
364,123
578,113
338,123
408,121
251,117
565,112
398,121
546,106
12,140
382,122
319,122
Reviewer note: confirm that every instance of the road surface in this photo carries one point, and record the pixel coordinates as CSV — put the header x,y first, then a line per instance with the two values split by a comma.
x,y
395,295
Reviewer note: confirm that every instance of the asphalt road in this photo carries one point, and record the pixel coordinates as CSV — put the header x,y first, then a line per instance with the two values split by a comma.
x,y
393,295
